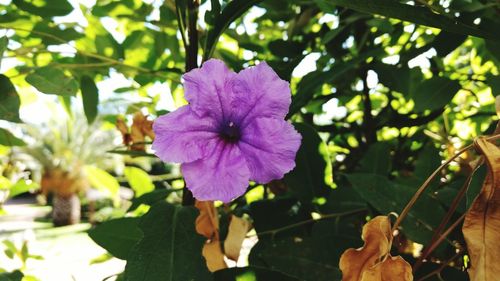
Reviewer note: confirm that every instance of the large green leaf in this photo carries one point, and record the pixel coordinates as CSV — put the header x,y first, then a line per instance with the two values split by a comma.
x,y
269,215
434,93
45,8
231,12
295,257
387,196
418,15
8,139
150,198
312,176
90,97
139,180
50,80
170,249
11,276
396,78
117,236
9,100
377,159
251,273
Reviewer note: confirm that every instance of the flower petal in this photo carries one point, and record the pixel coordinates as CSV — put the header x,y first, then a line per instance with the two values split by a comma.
x,y
221,176
259,92
181,136
208,89
269,146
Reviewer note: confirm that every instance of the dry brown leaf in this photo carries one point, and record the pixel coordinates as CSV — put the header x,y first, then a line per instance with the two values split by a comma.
x,y
207,222
372,262
391,269
141,127
122,127
136,136
482,222
213,256
237,232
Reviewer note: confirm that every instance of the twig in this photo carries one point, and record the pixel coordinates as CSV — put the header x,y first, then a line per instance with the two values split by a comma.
x,y
447,217
438,270
324,217
422,188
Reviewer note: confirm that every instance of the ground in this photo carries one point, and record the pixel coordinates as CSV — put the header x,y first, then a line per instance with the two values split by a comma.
x,y
67,251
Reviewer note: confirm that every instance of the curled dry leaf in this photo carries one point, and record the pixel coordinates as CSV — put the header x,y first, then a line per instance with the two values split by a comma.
x,y
212,252
237,232
141,127
372,262
207,224
481,227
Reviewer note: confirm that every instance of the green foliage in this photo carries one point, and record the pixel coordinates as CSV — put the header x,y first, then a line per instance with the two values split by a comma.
x,y
434,93
102,180
170,248
312,176
11,276
418,15
118,236
9,107
51,80
8,139
90,97
139,180
250,274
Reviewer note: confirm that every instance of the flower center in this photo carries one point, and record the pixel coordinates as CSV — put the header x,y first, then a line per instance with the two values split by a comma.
x,y
230,132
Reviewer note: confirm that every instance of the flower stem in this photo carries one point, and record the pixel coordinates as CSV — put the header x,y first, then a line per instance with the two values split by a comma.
x,y
191,63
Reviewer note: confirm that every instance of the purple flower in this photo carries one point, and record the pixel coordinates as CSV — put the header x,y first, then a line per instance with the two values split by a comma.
x,y
232,131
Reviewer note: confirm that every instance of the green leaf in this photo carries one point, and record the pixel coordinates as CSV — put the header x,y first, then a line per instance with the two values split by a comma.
x,y
377,159
231,12
288,48
90,97
170,249
396,78
418,15
102,180
434,93
50,80
8,139
4,41
312,176
139,180
45,8
251,273
9,100
59,36
150,198
12,276
269,215
387,196
117,236
494,82
295,257
22,186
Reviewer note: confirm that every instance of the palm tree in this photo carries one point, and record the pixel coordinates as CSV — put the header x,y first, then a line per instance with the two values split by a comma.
x,y
61,150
